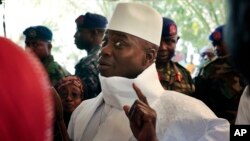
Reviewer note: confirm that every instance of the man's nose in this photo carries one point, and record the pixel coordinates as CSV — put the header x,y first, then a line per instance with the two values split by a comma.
x,y
163,46
76,34
106,50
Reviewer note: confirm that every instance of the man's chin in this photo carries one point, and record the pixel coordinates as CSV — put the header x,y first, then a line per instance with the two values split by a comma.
x,y
80,47
163,59
104,72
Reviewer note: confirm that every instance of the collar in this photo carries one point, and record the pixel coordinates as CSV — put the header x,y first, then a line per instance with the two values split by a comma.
x,y
94,50
118,91
225,56
47,60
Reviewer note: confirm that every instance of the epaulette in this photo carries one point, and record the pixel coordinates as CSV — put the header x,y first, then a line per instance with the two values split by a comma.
x,y
212,62
218,59
181,67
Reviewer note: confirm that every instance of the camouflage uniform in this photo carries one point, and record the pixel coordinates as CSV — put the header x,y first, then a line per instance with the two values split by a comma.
x,y
177,78
87,70
220,86
55,71
201,67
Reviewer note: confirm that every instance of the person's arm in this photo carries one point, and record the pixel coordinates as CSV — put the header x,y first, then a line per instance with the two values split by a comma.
x,y
59,115
217,130
142,118
243,116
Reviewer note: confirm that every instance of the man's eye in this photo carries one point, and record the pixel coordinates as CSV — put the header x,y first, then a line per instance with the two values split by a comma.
x,y
170,41
117,44
27,44
104,43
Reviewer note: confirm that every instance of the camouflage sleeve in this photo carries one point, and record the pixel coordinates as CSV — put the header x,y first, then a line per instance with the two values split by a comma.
x,y
56,72
89,75
189,83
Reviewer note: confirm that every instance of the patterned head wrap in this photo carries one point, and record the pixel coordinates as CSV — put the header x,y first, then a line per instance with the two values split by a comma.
x,y
71,79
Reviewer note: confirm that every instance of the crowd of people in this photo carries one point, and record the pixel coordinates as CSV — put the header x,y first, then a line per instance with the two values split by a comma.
x,y
127,87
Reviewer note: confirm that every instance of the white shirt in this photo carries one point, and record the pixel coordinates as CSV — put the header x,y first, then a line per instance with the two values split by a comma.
x,y
179,117
243,115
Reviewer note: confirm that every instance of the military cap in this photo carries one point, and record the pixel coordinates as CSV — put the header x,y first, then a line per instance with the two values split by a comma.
x,y
217,35
91,20
38,32
169,27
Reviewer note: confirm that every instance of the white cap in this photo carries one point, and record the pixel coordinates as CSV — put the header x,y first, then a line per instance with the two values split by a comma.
x,y
207,49
139,20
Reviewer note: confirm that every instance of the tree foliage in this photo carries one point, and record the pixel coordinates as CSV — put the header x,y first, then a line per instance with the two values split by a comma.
x,y
195,18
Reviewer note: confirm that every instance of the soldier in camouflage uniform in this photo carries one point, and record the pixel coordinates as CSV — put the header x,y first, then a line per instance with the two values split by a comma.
x,y
38,40
89,34
171,74
219,85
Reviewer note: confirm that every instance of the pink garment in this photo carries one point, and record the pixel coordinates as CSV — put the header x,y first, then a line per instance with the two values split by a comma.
x,y
26,110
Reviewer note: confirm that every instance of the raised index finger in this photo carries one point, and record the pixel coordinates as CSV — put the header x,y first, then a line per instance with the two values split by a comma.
x,y
140,94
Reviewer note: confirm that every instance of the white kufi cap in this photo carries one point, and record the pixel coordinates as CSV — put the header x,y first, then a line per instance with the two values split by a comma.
x,y
139,20
207,49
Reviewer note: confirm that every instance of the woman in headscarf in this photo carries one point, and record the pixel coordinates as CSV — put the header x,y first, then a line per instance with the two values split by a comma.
x,y
71,91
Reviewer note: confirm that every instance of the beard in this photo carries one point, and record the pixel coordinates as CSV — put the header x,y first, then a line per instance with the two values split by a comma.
x,y
162,59
83,45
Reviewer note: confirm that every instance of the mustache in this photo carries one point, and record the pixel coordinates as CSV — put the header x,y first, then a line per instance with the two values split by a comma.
x,y
102,61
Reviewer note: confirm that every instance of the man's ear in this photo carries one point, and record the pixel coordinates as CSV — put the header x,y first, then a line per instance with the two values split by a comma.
x,y
49,47
95,35
151,54
94,32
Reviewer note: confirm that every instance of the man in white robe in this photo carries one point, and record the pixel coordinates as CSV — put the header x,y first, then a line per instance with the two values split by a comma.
x,y
243,115
126,66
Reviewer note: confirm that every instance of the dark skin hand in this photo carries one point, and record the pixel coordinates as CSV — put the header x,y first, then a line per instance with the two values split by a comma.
x,y
142,118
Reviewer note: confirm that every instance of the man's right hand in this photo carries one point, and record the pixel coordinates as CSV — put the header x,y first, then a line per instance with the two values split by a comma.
x,y
142,118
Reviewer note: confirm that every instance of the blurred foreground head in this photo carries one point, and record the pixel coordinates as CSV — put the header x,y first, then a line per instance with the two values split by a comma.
x,y
25,104
238,35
